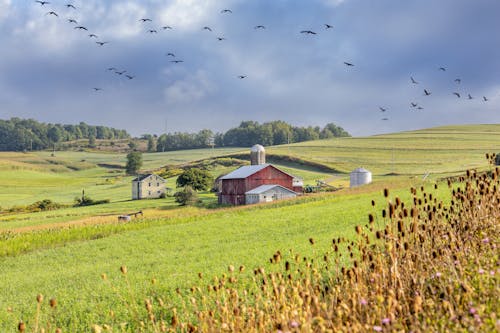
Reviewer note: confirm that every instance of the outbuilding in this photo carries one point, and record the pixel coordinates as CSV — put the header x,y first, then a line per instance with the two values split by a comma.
x,y
268,193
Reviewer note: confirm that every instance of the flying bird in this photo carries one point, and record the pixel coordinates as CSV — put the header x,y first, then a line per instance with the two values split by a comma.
x,y
241,76
130,77
348,64
152,31
328,26
420,108
93,36
68,5
119,73
385,118
427,93
413,80
170,54
112,69
72,21
456,94
259,27
42,3
485,99
458,81
469,96
52,13
101,43
176,61
146,20
221,38
414,104
166,27
308,32
97,89
207,28
226,11
442,69
81,28
382,109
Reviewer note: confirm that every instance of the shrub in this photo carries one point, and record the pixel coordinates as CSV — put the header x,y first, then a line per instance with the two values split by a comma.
x,y
186,197
87,201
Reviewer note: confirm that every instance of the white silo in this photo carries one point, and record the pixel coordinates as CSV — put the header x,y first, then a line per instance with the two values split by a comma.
x,y
360,176
257,155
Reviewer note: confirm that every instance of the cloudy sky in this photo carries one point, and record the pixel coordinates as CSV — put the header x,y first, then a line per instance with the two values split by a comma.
x,y
49,69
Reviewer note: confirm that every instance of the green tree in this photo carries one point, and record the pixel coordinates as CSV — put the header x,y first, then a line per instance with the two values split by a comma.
x,y
134,162
151,144
196,178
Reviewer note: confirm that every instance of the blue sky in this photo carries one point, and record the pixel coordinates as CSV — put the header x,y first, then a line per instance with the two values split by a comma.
x,y
48,69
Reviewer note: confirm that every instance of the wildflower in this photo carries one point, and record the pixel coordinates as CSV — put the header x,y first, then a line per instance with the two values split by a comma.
x,y
377,328
485,240
438,274
363,302
386,321
472,310
480,271
294,324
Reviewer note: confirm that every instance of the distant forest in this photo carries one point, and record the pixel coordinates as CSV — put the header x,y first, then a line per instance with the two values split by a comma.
x,y
28,134
246,134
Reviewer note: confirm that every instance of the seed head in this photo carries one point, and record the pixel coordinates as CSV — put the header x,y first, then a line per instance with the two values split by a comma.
x,y
386,192
21,327
123,269
39,298
53,303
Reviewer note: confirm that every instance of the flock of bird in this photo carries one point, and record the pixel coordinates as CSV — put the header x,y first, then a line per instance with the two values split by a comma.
x,y
152,30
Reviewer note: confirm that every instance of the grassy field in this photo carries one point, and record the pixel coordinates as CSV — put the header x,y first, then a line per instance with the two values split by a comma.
x,y
62,253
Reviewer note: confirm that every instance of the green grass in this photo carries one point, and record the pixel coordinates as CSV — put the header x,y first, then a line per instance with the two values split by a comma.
x,y
173,253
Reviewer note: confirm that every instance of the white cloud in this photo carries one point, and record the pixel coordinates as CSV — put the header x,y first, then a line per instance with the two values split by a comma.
x,y
122,20
190,89
4,8
334,3
189,14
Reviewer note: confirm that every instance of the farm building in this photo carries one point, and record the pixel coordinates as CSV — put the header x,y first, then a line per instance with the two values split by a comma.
x,y
233,187
359,177
268,193
148,186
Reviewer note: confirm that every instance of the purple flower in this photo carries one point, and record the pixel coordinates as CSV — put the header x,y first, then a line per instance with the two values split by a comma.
x,y
294,324
480,271
438,274
472,311
486,240
377,328
363,301
386,321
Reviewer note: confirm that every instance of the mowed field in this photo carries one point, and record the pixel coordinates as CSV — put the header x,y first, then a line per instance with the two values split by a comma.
x,y
63,253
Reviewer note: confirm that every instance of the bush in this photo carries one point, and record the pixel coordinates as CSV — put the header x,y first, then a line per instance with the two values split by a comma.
x,y
87,201
186,197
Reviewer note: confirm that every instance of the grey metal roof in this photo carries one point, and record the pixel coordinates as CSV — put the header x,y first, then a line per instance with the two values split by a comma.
x,y
264,188
360,170
140,178
245,171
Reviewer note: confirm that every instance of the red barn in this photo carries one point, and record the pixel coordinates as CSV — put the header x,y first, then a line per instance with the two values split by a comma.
x,y
234,185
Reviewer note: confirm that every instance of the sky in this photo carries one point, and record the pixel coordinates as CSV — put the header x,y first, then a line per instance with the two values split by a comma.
x,y
49,67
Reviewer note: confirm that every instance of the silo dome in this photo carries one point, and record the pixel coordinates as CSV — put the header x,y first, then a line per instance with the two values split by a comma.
x,y
360,176
257,155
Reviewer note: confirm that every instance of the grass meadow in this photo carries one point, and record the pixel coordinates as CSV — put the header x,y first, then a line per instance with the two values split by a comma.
x,y
62,254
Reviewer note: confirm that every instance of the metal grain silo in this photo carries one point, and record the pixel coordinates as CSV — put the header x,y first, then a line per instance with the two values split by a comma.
x,y
360,176
257,155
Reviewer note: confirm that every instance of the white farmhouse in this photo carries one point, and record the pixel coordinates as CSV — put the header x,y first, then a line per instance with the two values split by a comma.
x,y
148,186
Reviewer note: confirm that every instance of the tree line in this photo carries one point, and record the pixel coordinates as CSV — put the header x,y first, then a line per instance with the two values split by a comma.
x,y
27,134
246,134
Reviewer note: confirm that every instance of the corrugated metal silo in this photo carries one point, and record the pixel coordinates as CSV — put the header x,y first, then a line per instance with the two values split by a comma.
x,y
360,176
257,155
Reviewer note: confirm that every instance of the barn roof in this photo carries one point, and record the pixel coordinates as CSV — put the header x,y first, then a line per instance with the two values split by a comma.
x,y
245,171
264,188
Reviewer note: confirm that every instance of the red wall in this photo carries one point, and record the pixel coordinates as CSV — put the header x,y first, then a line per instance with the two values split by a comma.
x,y
233,190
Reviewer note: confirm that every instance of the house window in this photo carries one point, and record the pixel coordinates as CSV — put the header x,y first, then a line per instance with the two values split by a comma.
x,y
149,184
149,192
157,184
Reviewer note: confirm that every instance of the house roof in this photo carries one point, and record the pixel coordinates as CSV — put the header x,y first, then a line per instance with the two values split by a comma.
x,y
264,188
245,171
141,178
